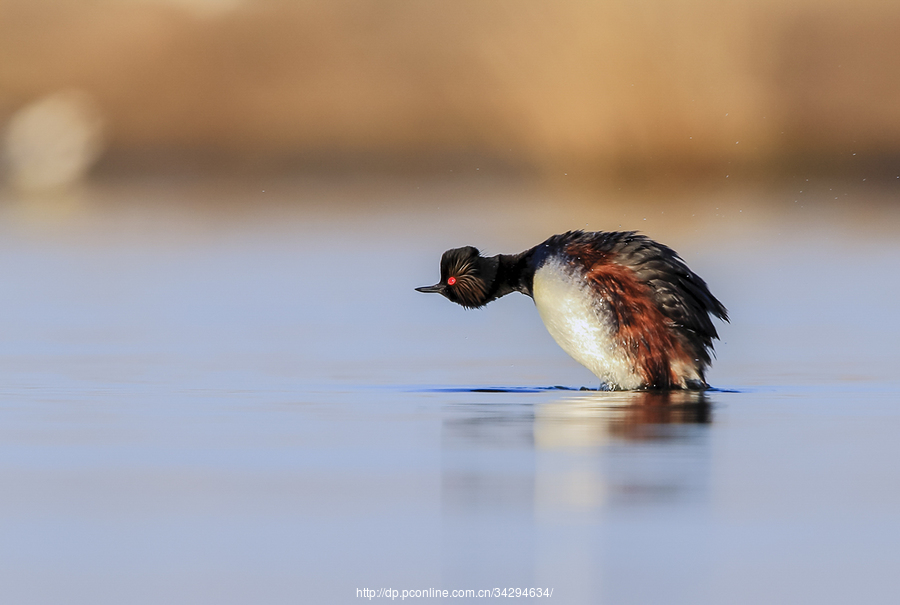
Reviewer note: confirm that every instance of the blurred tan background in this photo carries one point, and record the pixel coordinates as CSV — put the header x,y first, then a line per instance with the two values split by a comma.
x,y
611,90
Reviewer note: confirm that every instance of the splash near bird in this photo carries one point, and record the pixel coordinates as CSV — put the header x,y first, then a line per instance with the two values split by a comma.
x,y
624,306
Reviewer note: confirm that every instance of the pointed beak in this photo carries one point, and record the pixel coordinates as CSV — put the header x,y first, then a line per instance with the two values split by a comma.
x,y
436,289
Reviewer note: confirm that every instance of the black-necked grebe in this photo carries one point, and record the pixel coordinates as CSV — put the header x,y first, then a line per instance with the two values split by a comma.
x,y
624,306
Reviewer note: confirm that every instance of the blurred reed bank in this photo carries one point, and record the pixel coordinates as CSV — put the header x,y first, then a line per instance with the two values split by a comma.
x,y
596,90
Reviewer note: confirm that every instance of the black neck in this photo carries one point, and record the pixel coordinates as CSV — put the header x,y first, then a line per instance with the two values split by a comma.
x,y
515,273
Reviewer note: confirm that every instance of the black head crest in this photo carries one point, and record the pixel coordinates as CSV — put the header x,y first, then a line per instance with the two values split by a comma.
x,y
458,261
463,270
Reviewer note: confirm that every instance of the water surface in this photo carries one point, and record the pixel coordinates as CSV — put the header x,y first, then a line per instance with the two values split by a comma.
x,y
205,404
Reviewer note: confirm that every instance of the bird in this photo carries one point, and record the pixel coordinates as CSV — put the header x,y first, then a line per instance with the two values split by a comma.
x,y
626,307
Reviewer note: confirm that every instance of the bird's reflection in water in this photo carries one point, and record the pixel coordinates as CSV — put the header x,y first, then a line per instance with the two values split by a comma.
x,y
578,458
619,448
575,453
594,419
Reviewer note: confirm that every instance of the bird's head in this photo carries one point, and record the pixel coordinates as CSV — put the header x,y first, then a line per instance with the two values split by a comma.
x,y
466,277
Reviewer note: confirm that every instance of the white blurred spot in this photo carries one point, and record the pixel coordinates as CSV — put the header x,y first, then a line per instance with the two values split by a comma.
x,y
53,142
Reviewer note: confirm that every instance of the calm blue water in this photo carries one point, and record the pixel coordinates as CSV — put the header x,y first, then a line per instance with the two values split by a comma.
x,y
208,404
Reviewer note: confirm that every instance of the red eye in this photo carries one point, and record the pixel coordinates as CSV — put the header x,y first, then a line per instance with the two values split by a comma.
x,y
451,281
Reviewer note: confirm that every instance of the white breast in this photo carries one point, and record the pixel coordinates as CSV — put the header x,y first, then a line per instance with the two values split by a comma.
x,y
575,321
